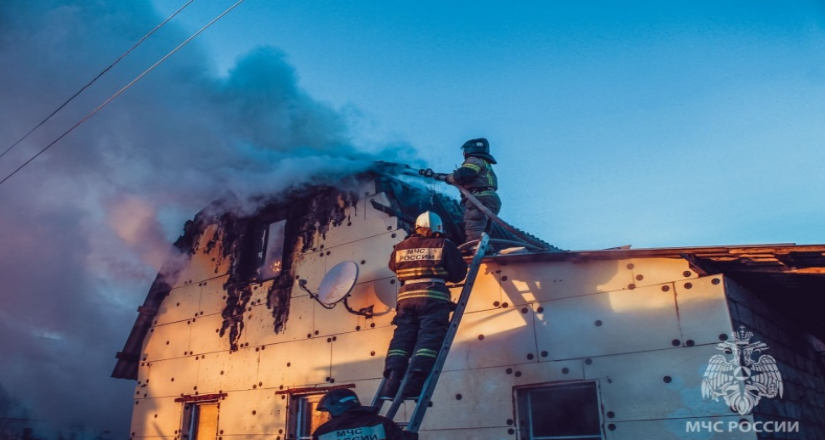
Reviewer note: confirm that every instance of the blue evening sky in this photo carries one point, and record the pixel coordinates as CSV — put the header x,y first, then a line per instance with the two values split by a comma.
x,y
648,123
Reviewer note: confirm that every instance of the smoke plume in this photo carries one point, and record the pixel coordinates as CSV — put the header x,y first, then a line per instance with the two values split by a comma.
x,y
84,228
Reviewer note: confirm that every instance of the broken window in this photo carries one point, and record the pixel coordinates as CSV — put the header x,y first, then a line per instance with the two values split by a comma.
x,y
559,412
273,251
303,418
200,421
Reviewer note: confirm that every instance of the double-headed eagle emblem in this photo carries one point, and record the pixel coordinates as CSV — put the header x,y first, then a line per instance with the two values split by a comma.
x,y
740,380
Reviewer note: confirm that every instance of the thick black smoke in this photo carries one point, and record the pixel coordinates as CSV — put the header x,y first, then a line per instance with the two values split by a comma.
x,y
85,227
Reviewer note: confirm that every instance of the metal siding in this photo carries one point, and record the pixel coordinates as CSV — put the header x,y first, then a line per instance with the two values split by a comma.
x,y
703,310
167,341
311,267
631,320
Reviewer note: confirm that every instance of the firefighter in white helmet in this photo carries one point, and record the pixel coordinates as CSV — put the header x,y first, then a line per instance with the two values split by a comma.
x,y
423,263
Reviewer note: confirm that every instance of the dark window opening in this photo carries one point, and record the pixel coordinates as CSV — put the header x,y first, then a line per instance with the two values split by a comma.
x,y
273,251
303,419
559,412
200,421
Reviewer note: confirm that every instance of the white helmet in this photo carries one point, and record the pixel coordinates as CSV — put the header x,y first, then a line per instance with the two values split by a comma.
x,y
430,220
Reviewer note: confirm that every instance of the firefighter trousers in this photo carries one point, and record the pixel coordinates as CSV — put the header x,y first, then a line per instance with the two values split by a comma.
x,y
421,326
475,221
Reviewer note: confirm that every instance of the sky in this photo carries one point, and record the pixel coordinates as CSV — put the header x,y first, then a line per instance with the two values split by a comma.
x,y
643,123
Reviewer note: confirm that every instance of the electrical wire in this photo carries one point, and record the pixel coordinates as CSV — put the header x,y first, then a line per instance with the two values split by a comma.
x,y
97,77
93,112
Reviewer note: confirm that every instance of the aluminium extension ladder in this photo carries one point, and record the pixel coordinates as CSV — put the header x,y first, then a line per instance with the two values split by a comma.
x,y
423,401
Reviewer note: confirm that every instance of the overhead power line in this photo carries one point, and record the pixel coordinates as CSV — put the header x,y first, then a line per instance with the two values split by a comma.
x,y
96,78
93,112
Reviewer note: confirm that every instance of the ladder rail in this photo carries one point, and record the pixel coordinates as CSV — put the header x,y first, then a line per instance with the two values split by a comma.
x,y
432,380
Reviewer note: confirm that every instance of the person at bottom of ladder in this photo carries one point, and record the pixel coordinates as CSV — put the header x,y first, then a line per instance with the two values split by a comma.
x,y
423,262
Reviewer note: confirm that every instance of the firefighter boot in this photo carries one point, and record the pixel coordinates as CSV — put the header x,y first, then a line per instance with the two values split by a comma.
x,y
391,383
415,384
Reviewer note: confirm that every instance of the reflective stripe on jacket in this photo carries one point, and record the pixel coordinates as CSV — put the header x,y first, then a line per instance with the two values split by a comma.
x,y
426,257
476,172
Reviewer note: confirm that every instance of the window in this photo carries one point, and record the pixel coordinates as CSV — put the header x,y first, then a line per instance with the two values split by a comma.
x,y
559,412
303,419
200,421
273,251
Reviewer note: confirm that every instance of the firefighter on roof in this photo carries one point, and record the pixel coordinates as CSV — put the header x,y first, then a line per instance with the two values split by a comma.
x,y
423,262
351,420
477,176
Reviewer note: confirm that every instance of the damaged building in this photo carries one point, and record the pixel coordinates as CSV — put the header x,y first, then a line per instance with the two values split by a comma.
x,y
675,343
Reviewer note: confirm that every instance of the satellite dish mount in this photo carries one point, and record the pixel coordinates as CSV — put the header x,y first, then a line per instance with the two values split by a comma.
x,y
336,287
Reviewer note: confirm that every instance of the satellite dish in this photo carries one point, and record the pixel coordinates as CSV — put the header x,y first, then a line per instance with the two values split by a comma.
x,y
338,283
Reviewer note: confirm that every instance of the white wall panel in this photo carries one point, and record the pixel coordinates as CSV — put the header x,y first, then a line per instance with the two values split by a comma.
x,y
493,338
502,433
172,377
351,229
371,254
296,364
299,323
205,265
213,296
550,371
311,267
167,341
376,220
241,370
382,295
156,417
486,400
252,412
212,372
655,385
652,271
180,305
703,309
360,355
675,430
206,337
539,281
334,321
607,323
486,294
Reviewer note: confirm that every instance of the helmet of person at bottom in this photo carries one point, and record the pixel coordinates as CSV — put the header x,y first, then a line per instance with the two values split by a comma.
x,y
431,221
479,148
338,401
